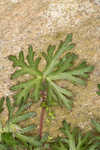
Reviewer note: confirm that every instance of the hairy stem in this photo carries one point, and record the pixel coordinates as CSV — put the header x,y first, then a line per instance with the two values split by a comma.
x,y
41,122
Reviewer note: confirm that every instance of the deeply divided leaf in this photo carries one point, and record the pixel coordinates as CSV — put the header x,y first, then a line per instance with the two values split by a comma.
x,y
60,65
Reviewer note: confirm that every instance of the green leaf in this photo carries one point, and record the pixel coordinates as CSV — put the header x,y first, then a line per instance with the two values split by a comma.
x,y
67,76
51,96
21,97
96,125
23,117
1,104
28,129
9,130
3,147
59,66
22,108
30,140
49,55
24,89
44,138
18,62
50,51
14,59
25,69
0,125
30,56
94,146
74,75
23,85
74,139
64,47
66,62
98,86
9,107
60,92
21,57
81,71
37,61
36,94
98,92
17,73
8,139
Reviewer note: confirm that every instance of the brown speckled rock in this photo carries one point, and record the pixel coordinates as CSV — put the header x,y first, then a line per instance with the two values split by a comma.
x,y
24,22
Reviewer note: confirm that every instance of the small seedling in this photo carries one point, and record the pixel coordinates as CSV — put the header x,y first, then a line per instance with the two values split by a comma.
x,y
42,85
74,139
11,133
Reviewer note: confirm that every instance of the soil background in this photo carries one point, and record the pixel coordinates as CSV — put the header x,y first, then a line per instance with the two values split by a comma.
x,y
44,22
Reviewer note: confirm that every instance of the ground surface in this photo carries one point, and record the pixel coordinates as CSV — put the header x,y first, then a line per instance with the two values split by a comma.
x,y
24,22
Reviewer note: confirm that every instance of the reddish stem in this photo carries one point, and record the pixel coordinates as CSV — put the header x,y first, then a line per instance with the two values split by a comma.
x,y
41,122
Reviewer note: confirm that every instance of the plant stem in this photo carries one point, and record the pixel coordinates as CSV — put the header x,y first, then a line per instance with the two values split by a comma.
x,y
41,121
43,96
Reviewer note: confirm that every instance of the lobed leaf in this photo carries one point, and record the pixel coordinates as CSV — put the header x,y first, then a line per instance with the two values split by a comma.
x,y
23,117
9,107
30,56
28,129
75,140
22,108
67,76
25,89
66,62
36,94
60,92
31,69
21,57
75,75
49,55
30,140
62,48
59,66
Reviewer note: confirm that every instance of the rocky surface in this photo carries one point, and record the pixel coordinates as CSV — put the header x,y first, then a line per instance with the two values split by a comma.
x,y
46,22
